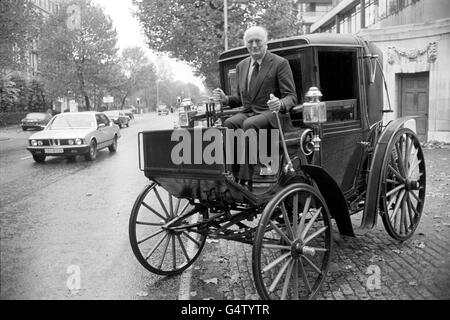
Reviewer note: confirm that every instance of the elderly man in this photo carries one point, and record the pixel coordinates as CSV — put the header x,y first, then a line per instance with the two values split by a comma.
x,y
265,84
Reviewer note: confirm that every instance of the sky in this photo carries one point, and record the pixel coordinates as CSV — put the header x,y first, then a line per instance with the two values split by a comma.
x,y
130,34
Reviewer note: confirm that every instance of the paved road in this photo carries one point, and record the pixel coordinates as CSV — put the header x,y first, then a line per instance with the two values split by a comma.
x,y
416,269
62,214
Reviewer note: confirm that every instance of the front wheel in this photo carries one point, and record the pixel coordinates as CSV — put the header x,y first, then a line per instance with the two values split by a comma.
x,y
403,185
162,242
92,154
113,146
292,247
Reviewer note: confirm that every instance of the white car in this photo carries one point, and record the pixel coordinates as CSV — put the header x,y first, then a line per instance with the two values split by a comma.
x,y
75,133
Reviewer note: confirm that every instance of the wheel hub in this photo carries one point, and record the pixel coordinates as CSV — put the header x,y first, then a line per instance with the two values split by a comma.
x,y
412,185
298,249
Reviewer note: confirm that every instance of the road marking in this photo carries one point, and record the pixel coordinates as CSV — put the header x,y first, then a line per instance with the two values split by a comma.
x,y
26,158
186,276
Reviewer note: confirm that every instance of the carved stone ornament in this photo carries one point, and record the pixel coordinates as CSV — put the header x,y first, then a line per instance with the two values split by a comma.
x,y
413,54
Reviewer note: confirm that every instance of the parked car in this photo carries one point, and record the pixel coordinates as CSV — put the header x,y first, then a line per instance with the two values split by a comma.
x,y
35,120
118,117
163,109
75,133
128,113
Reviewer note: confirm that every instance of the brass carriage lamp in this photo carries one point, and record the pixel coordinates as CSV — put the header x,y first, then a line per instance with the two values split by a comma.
x,y
314,113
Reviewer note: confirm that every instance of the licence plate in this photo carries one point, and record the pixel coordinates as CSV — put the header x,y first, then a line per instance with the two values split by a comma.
x,y
54,150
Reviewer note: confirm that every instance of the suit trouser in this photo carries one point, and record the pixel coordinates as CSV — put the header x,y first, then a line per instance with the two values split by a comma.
x,y
246,121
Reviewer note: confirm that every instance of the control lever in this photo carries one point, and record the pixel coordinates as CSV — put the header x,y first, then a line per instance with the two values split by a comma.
x,y
289,168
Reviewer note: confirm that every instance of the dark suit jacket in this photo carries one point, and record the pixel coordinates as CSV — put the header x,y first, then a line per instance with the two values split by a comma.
x,y
275,76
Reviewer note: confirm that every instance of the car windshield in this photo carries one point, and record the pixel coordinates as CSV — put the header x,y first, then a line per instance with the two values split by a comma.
x,y
40,116
72,121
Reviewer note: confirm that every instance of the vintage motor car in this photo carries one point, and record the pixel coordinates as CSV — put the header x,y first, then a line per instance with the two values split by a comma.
x,y
75,133
338,159
118,117
35,120
162,109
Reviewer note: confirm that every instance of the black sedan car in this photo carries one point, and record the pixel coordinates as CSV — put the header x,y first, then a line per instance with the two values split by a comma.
x,y
35,120
118,117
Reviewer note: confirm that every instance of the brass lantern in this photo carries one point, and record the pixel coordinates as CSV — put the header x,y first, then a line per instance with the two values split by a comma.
x,y
314,111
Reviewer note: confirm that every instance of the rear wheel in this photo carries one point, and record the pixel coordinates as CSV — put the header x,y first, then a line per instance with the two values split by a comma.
x,y
292,247
39,158
113,146
92,154
157,237
403,185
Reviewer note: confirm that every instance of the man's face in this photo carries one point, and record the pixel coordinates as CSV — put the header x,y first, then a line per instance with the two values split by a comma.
x,y
256,43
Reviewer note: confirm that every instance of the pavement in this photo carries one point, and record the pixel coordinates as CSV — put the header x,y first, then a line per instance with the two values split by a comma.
x,y
418,269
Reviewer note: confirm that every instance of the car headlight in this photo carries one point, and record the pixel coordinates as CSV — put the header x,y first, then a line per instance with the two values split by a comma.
x,y
79,141
40,143
34,143
70,142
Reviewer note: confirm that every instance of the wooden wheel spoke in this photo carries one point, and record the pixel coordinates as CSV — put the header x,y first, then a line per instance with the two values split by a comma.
x,y
404,216
154,224
174,254
415,196
278,276
286,221
310,223
408,152
312,264
153,210
400,159
414,160
161,203
396,189
183,248
417,163
166,245
271,246
304,276
295,214
276,261
155,247
315,234
177,206
280,233
397,205
171,206
184,208
303,218
151,236
190,238
392,181
395,172
287,280
412,205
295,280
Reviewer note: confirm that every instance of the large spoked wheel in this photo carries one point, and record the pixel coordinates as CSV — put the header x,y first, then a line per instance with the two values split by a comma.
x,y
403,185
292,247
158,240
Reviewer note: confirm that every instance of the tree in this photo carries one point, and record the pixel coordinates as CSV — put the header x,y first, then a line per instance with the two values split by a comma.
x,y
78,59
137,73
19,27
192,30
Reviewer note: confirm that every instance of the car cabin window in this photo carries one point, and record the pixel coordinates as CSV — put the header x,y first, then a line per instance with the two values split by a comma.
x,y
99,119
105,119
339,84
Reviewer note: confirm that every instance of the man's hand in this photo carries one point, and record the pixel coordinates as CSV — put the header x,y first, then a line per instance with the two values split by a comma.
x,y
218,94
274,103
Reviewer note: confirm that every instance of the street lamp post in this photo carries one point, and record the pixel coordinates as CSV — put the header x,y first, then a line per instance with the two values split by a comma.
x,y
225,24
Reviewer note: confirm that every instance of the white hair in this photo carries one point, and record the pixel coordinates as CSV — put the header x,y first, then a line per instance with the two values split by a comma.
x,y
256,28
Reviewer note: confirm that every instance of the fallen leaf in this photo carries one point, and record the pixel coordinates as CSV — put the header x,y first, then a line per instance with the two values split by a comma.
x,y
142,294
212,241
348,267
213,281
413,283
193,293
418,244
397,251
